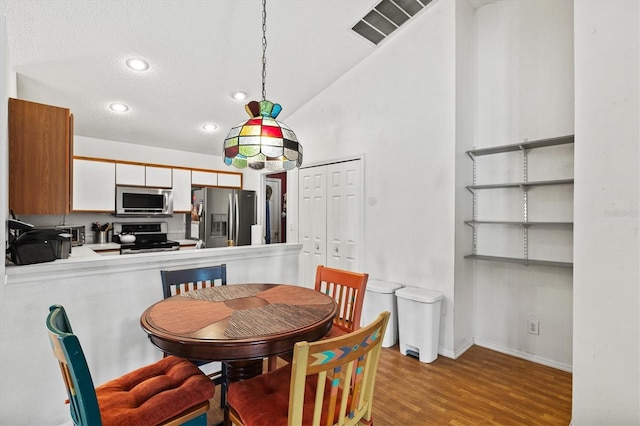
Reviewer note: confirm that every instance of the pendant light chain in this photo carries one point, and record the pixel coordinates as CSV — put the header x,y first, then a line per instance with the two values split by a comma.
x,y
261,142
264,50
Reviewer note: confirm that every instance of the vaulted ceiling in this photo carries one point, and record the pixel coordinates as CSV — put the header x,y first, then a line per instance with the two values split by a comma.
x,y
72,53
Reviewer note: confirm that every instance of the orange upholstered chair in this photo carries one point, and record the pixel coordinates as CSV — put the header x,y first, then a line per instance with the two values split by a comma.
x,y
328,382
171,391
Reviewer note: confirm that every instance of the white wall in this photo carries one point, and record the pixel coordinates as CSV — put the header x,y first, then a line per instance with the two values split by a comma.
x,y
524,91
606,380
398,107
465,126
104,299
4,144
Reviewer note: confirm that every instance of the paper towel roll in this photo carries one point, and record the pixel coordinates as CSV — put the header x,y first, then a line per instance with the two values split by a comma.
x,y
256,235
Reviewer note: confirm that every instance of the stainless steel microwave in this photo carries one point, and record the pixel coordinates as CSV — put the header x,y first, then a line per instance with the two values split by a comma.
x,y
142,201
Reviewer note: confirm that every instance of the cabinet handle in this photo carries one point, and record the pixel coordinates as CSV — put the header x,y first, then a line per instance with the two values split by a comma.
x,y
335,249
317,246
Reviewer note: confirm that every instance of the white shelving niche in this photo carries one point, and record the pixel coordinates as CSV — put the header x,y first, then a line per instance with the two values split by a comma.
x,y
524,214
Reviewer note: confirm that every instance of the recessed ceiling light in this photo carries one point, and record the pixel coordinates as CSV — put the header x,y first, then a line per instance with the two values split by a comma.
x,y
209,127
239,96
137,64
119,107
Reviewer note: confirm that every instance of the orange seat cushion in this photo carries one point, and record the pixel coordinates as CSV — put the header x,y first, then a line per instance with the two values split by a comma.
x,y
153,394
264,400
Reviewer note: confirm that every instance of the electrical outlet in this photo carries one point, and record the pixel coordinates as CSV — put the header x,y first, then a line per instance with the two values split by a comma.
x,y
533,327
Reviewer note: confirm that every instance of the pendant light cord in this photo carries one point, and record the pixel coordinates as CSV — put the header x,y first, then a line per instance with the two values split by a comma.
x,y
264,50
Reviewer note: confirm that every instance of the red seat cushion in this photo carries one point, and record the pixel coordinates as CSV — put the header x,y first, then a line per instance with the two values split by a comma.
x,y
335,331
264,400
153,394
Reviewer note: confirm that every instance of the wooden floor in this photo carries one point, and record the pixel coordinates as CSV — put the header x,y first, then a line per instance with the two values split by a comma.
x,y
481,387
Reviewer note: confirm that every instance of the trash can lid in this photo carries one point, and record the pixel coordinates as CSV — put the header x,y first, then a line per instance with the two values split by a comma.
x,y
419,294
379,286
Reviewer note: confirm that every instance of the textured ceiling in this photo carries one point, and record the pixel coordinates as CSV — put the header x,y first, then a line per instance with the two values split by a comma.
x,y
71,54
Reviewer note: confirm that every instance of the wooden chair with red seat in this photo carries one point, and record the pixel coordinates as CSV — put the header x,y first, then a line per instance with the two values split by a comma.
x,y
172,391
329,382
348,289
183,280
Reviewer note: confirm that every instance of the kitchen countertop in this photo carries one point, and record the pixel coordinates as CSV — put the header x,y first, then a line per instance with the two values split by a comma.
x,y
92,250
116,246
86,262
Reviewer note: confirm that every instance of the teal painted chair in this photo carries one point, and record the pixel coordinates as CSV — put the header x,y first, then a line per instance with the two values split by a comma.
x,y
171,391
183,280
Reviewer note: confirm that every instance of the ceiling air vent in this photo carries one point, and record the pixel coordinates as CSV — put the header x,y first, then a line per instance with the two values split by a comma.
x,y
386,17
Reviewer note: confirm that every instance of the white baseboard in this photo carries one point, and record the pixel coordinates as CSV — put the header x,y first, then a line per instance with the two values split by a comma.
x,y
529,357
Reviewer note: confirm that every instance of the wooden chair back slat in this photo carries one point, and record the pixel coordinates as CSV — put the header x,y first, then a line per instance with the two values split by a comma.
x,y
347,289
347,365
183,280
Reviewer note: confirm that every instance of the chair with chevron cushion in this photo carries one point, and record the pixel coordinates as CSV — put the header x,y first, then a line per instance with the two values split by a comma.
x,y
328,382
172,391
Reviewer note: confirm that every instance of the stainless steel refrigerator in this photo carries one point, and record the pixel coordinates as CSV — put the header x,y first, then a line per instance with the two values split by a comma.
x,y
224,216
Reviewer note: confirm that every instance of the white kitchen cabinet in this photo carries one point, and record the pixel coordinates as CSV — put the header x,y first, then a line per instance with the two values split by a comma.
x,y
158,176
202,178
94,186
230,180
181,190
130,174
141,175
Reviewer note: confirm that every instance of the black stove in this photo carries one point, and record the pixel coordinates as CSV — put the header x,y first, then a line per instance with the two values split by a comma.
x,y
150,237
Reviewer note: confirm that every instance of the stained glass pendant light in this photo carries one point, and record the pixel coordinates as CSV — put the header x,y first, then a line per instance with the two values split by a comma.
x,y
262,142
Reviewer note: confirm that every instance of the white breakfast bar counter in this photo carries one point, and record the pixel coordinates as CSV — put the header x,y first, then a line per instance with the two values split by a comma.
x,y
104,297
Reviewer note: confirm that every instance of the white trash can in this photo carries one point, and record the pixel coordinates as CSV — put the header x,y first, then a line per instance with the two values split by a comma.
x,y
419,322
379,297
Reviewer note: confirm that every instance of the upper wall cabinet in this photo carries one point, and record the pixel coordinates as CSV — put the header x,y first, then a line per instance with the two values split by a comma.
x,y
230,180
219,179
141,175
94,188
202,178
130,174
158,176
181,190
40,150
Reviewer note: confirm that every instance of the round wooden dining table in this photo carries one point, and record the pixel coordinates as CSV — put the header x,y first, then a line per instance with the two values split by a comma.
x,y
239,324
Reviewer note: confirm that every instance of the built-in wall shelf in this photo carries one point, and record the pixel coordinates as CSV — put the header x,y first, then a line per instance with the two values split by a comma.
x,y
508,222
520,261
524,186
542,143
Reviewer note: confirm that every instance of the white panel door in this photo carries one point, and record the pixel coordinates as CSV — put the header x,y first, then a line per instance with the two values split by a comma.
x,y
344,215
312,222
331,214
